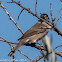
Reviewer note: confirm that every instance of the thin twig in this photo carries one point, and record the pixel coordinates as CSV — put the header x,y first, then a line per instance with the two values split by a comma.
x,y
12,19
25,55
20,13
40,46
57,47
36,7
13,58
35,57
57,14
57,53
44,59
40,57
12,48
43,52
0,2
57,20
51,12
32,13
2,39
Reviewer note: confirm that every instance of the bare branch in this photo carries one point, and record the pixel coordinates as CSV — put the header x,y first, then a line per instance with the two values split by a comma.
x,y
25,55
57,14
57,20
36,7
12,19
57,53
51,12
6,41
10,43
40,57
12,47
0,2
13,58
31,12
53,26
35,57
57,47
20,13
40,46
1,40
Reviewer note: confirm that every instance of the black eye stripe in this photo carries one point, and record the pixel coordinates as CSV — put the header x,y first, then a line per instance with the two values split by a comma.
x,y
44,16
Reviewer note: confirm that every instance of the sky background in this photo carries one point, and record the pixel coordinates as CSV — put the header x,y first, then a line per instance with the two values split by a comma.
x,y
10,32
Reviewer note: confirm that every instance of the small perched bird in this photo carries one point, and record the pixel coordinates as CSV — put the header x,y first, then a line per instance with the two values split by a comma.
x,y
35,33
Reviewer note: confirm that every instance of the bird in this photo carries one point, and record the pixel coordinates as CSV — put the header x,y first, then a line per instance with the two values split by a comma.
x,y
34,34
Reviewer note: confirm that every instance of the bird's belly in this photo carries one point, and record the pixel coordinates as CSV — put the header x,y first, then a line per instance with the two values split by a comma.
x,y
36,37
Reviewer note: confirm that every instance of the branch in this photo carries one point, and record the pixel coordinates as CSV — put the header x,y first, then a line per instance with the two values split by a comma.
x,y
10,43
53,26
12,19
32,45
20,13
25,55
42,48
51,12
36,7
57,14
37,47
13,58
4,40
57,47
57,20
57,53
12,47
31,12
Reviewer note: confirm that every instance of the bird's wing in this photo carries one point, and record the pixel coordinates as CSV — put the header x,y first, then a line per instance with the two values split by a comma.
x,y
36,29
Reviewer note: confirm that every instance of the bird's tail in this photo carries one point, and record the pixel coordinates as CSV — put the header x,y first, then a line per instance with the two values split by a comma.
x,y
16,48
11,53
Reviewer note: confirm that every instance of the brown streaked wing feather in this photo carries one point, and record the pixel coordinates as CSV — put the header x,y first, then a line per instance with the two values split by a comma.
x,y
34,30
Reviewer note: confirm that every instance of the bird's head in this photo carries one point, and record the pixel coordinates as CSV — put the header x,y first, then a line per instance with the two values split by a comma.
x,y
44,16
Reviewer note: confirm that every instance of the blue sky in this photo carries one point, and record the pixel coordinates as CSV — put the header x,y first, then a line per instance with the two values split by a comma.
x,y
9,31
